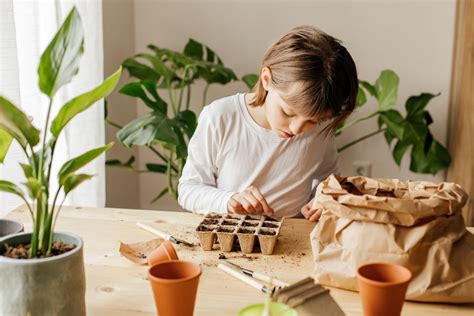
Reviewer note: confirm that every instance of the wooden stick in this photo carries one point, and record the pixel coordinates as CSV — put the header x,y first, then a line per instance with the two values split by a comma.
x,y
244,278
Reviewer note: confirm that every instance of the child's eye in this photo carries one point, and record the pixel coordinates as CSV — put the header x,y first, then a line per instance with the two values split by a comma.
x,y
286,114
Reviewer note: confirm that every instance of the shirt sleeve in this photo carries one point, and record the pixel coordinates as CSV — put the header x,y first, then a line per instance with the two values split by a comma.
x,y
328,165
197,191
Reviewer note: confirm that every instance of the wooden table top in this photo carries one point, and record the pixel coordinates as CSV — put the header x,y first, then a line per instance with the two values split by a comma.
x,y
116,286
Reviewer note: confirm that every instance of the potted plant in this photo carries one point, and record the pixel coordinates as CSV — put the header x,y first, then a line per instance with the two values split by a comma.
x,y
166,129
42,272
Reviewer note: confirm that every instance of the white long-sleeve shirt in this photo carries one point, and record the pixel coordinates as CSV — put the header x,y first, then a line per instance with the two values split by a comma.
x,y
229,152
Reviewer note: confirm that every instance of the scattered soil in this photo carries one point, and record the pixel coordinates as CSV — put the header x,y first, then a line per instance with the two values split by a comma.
x,y
230,223
271,225
246,231
222,256
210,222
21,251
250,224
267,233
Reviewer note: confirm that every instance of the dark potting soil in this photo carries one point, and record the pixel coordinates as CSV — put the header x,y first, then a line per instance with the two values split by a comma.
x,y
269,225
210,221
268,233
21,251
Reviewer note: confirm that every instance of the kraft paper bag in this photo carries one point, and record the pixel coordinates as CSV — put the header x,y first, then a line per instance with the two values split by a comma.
x,y
416,224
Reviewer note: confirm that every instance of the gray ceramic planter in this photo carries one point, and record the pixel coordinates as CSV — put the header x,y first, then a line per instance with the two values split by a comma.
x,y
9,227
47,286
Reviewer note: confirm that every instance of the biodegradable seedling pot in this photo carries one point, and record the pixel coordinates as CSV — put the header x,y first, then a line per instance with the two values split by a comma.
x,y
382,288
175,285
10,227
165,252
206,236
43,286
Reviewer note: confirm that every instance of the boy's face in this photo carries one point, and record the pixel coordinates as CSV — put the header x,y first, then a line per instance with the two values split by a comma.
x,y
283,118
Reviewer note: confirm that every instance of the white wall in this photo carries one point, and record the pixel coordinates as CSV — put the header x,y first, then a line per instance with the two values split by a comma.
x,y
414,38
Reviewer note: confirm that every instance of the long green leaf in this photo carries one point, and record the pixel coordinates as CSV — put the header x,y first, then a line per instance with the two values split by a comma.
x,y
83,102
16,123
76,163
74,180
386,88
250,80
9,187
60,61
34,188
5,142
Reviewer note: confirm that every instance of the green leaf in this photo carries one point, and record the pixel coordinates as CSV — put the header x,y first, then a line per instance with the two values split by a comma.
x,y
361,98
160,67
386,88
136,89
399,150
415,105
194,49
187,121
34,188
370,88
388,137
27,170
14,122
156,168
393,120
9,187
118,163
60,61
5,142
74,180
140,71
76,163
250,80
83,102
159,196
437,159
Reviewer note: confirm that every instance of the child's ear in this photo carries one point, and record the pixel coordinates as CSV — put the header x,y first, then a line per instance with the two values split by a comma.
x,y
266,78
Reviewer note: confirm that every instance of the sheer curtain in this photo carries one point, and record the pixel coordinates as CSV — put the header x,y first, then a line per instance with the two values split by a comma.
x,y
26,27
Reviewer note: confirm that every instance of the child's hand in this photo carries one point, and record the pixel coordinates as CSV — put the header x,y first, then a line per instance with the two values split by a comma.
x,y
310,212
249,201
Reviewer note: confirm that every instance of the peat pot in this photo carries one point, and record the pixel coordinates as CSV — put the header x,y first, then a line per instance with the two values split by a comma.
x,y
45,286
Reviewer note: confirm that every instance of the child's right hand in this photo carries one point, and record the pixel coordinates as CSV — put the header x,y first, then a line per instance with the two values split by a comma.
x,y
249,201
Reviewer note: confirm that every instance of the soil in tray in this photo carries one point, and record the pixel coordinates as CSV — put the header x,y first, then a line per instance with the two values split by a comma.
x,y
21,251
232,217
246,231
225,230
202,228
230,223
213,216
270,219
271,225
210,221
250,224
267,233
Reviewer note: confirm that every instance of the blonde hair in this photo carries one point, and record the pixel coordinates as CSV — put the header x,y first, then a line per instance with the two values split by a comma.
x,y
324,69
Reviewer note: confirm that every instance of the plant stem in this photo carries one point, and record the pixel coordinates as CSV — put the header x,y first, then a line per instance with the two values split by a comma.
x,y
162,157
356,121
182,88
171,189
188,97
114,124
360,139
173,105
204,95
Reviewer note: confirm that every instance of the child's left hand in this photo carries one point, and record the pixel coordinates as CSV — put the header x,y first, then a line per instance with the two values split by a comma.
x,y
310,212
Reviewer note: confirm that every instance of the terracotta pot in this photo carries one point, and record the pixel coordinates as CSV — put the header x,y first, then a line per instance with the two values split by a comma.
x,y
175,285
382,288
165,252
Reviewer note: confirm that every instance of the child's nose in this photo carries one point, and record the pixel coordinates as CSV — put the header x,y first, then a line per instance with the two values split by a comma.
x,y
296,127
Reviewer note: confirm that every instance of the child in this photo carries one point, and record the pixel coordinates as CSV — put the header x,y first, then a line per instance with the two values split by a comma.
x,y
265,152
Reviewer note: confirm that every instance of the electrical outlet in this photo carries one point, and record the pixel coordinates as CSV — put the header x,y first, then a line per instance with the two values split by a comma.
x,y
362,168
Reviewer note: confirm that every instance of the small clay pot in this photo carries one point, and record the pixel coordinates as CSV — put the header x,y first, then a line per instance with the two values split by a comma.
x,y
165,252
175,285
382,288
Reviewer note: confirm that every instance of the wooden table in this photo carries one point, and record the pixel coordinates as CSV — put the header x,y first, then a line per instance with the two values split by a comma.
x,y
116,286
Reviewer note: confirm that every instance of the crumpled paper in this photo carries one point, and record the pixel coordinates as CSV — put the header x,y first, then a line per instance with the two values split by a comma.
x,y
416,224
138,252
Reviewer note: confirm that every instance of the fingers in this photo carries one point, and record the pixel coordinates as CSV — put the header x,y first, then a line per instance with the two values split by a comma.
x,y
315,217
267,210
310,212
249,201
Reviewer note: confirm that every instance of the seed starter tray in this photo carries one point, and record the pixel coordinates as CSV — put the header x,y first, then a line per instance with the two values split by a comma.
x,y
249,229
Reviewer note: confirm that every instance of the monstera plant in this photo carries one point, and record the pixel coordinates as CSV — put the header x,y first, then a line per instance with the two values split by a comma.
x,y
166,129
51,281
409,132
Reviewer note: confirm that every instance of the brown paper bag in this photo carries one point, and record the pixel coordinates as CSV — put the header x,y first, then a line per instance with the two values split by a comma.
x,y
414,224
